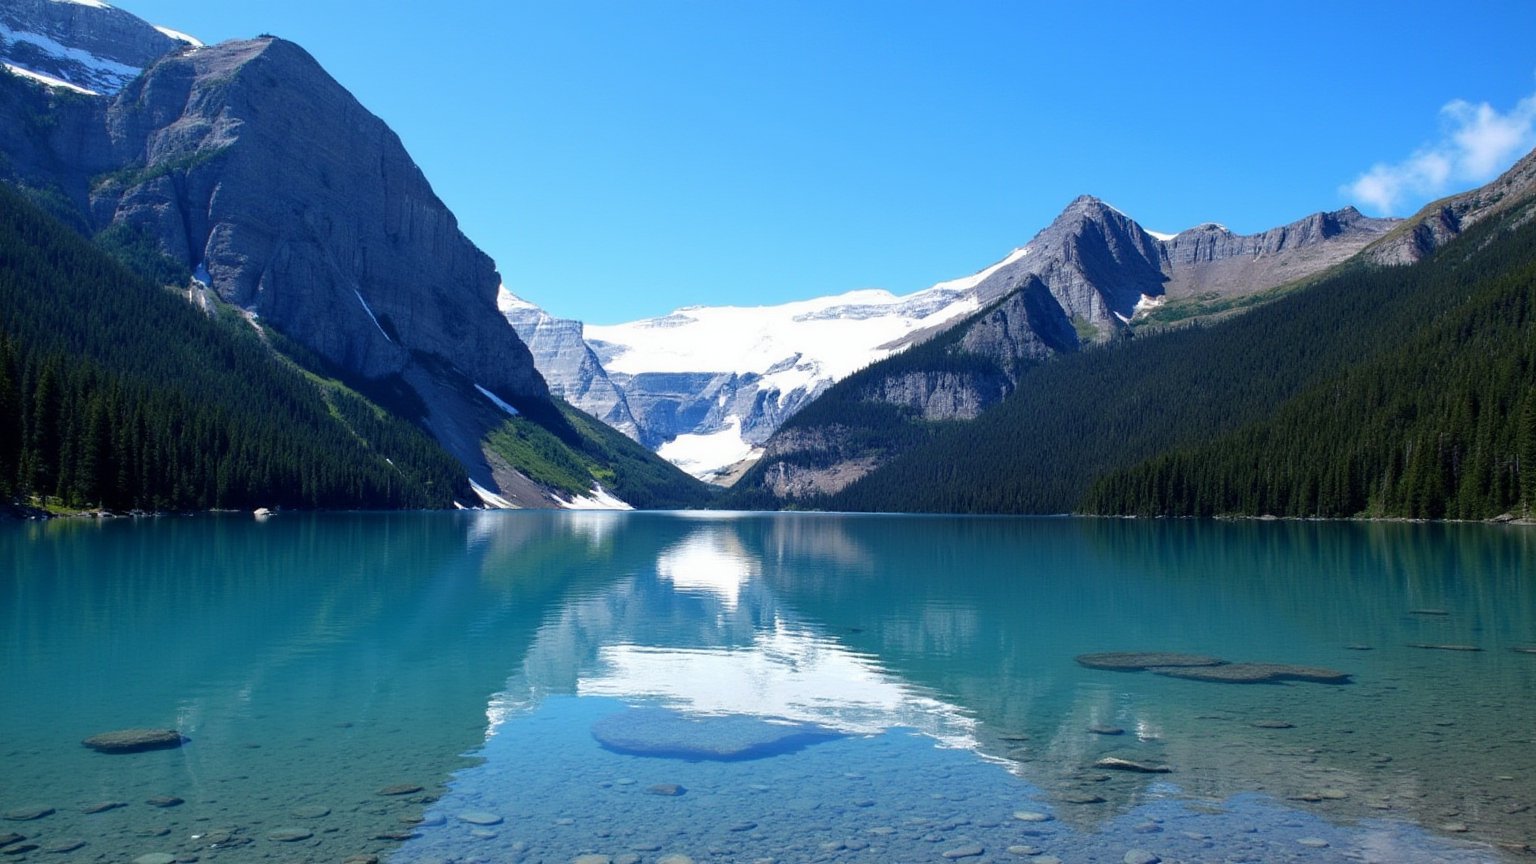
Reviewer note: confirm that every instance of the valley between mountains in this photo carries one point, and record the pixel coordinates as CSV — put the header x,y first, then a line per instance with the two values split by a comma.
x,y
1339,365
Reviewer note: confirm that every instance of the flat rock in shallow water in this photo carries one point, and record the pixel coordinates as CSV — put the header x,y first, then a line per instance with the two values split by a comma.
x,y
27,814
135,740
1115,763
289,835
1256,673
1434,647
102,807
1272,724
724,738
479,817
1524,649
400,789
164,801
1135,661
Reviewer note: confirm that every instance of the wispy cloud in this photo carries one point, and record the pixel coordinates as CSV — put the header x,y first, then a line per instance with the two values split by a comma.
x,y
1476,143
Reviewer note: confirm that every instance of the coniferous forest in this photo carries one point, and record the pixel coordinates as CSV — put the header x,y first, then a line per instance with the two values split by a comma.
x,y
1404,392
117,393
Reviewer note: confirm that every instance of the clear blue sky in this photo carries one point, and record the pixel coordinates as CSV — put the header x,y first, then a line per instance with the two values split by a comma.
x,y
621,158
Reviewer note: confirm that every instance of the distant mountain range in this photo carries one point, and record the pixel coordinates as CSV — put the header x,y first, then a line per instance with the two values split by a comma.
x,y
707,387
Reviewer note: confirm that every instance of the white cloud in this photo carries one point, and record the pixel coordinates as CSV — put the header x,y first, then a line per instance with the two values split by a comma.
x,y
1476,143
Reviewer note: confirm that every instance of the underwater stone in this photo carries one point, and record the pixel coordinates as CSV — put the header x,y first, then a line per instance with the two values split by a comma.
x,y
135,740
726,738
1135,661
1256,673
1115,763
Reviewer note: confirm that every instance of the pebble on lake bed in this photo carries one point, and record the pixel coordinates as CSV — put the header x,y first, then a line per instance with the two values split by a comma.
x,y
27,814
1140,856
670,790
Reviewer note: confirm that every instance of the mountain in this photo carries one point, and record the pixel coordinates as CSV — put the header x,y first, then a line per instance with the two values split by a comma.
x,y
82,45
707,387
248,165
1083,280
1381,391
117,393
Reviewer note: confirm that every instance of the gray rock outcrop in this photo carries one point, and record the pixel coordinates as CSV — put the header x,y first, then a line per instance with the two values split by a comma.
x,y
1442,221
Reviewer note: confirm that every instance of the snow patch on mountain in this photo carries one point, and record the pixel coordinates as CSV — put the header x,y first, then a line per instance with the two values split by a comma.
x,y
104,76
598,499
827,337
705,455
497,401
176,34
48,80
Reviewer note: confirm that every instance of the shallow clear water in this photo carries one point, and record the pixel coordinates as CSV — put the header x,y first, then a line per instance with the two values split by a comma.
x,y
561,685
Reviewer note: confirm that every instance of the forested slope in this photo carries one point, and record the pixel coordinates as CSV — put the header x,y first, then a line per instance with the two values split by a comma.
x,y
1078,418
117,393
1441,425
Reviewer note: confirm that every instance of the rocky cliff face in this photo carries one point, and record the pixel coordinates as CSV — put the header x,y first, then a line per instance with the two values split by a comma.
x,y
1440,222
1210,259
567,362
246,159
247,162
92,46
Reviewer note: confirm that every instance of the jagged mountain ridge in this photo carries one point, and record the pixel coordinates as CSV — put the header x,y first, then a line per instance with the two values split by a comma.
x,y
1439,222
1081,280
704,401
249,165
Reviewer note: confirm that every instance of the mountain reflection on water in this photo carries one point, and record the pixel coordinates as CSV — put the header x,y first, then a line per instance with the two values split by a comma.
x,y
963,632
926,665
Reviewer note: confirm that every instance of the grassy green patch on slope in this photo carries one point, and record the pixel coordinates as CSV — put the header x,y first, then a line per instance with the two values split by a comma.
x,y
570,452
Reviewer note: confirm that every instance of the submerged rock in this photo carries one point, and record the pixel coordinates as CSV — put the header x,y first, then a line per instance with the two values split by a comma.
x,y
102,807
400,789
27,814
1256,673
725,738
1114,763
135,740
1434,647
1135,661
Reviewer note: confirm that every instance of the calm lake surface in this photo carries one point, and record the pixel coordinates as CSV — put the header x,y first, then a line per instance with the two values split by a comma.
x,y
545,686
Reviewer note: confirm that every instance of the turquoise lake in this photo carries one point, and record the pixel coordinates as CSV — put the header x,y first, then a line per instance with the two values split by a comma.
x,y
652,687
